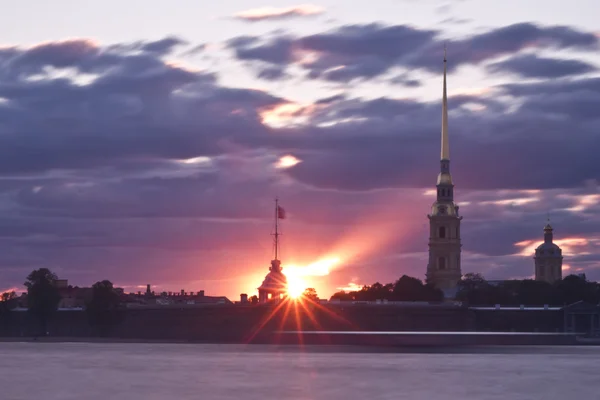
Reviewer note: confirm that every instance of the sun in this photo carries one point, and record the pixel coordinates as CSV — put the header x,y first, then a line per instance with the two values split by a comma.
x,y
295,286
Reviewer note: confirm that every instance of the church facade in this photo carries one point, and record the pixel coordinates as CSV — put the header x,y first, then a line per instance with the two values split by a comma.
x,y
444,266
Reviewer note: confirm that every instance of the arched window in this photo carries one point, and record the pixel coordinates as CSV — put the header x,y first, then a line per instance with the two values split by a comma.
x,y
441,263
442,232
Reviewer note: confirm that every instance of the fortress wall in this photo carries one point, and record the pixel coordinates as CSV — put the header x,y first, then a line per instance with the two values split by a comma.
x,y
233,323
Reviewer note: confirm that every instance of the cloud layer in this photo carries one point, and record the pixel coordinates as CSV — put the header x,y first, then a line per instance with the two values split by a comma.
x,y
370,50
118,162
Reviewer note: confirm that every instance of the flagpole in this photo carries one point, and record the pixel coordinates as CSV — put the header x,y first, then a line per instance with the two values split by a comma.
x,y
276,227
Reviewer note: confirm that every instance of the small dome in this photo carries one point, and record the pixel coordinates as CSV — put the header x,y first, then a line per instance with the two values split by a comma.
x,y
274,282
548,246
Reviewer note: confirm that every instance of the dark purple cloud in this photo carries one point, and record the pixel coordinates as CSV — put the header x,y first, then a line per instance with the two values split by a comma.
x,y
272,73
367,51
277,51
406,81
532,66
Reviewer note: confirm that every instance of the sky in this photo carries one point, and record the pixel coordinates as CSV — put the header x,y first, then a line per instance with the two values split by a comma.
x,y
144,142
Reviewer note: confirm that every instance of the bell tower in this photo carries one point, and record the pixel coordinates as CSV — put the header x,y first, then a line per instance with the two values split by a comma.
x,y
443,268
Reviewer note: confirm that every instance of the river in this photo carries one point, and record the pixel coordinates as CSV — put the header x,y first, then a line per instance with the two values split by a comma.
x,y
95,371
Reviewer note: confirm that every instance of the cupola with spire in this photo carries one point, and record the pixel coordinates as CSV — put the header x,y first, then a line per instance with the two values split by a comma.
x,y
548,258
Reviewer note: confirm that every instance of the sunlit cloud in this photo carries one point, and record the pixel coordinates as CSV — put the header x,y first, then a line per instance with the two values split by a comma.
x,y
475,107
582,203
471,91
195,160
276,13
513,202
283,114
287,161
351,287
318,268
305,57
570,246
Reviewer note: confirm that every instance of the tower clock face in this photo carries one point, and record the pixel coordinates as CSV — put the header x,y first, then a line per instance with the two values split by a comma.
x,y
442,210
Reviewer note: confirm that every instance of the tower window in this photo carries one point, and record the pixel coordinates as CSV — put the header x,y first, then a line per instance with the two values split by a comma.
x,y
442,232
441,263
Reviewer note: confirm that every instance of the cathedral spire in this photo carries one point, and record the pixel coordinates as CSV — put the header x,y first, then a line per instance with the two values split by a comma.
x,y
444,266
445,144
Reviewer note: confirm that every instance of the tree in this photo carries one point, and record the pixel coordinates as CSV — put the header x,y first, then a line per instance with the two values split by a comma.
x,y
574,288
473,289
310,294
408,288
342,296
7,301
254,299
103,309
533,292
42,295
8,296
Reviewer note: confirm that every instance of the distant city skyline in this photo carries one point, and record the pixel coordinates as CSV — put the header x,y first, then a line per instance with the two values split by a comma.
x,y
144,143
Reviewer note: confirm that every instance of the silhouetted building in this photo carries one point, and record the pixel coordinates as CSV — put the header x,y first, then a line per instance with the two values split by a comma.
x,y
548,259
275,284
443,268
174,299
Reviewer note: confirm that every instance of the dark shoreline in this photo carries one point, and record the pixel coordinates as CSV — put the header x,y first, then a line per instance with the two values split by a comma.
x,y
321,348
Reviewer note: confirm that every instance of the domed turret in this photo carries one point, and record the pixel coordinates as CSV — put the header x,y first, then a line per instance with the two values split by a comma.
x,y
548,258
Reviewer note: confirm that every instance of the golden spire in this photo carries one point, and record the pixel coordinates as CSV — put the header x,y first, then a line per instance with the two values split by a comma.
x,y
445,144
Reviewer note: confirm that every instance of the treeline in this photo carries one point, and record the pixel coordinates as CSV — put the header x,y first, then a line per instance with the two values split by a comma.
x,y
406,288
475,290
103,306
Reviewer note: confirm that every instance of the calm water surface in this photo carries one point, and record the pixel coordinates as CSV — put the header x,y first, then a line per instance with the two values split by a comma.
x,y
93,371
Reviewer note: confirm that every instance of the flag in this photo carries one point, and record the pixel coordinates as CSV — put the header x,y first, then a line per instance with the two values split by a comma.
x,y
280,213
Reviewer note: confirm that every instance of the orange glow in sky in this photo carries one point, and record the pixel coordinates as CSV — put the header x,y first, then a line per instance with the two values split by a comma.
x,y
569,246
367,235
298,277
282,114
